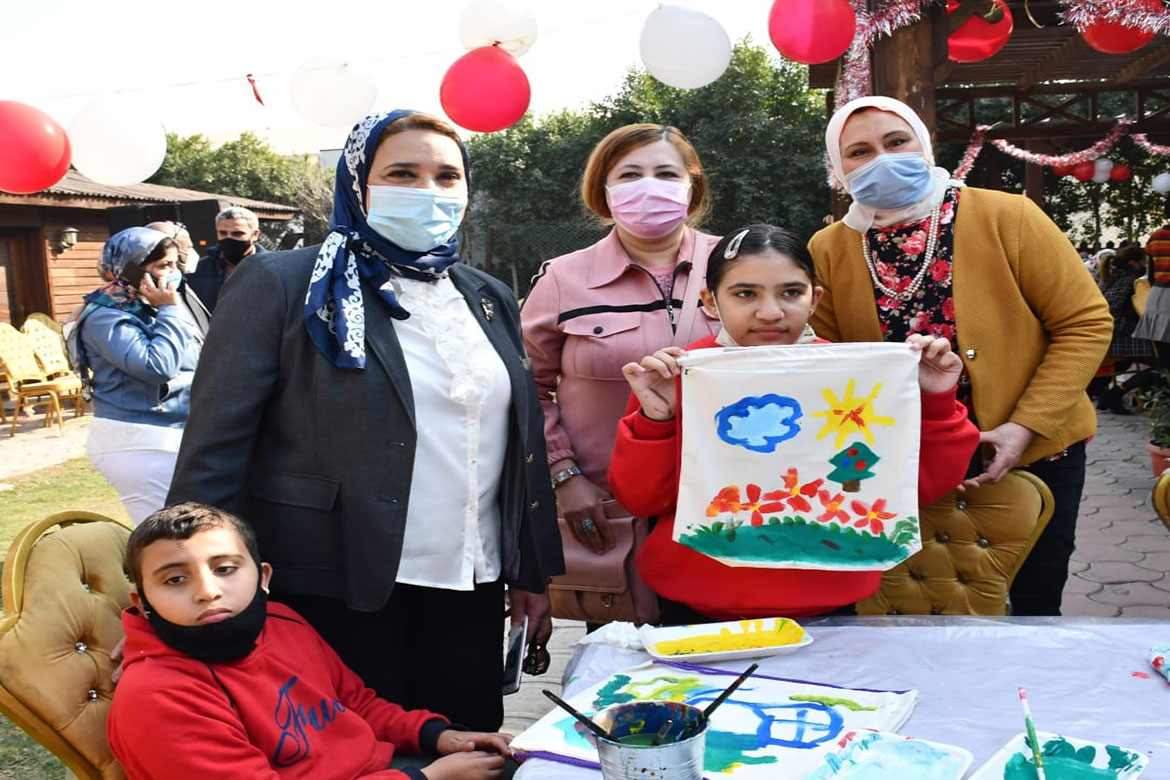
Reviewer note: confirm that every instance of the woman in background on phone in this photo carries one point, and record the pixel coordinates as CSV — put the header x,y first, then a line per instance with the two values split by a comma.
x,y
135,345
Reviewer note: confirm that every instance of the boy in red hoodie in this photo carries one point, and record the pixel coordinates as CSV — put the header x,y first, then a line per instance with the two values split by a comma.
x,y
220,683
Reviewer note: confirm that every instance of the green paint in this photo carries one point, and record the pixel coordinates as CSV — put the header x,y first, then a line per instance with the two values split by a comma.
x,y
798,540
611,693
641,740
1063,761
829,701
665,688
725,750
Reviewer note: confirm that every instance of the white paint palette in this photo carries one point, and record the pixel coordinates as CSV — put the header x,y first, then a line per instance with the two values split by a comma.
x,y
1064,756
877,755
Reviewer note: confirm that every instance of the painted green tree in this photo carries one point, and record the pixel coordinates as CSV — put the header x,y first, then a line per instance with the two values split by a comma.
x,y
853,464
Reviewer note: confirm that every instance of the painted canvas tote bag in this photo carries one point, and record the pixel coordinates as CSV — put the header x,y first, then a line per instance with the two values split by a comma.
x,y
801,457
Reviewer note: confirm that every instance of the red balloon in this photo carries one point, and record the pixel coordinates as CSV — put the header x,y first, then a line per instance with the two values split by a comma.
x,y
811,31
1120,172
977,39
1116,38
34,150
1084,171
485,90
1062,170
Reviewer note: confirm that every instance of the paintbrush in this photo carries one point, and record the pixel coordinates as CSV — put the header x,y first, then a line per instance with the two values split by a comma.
x,y
1033,743
661,735
696,724
589,724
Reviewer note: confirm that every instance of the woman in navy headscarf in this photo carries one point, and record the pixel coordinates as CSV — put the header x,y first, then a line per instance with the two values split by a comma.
x,y
135,346
367,406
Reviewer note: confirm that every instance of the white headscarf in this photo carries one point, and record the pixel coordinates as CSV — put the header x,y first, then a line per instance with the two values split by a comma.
x,y
861,218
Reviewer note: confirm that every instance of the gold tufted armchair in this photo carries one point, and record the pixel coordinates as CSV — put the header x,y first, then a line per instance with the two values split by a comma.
x,y
64,589
973,544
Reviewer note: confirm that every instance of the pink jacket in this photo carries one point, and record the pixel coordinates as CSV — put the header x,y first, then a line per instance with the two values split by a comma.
x,y
591,312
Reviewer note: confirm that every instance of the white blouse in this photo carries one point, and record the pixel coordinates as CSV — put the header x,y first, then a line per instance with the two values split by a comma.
x,y
461,399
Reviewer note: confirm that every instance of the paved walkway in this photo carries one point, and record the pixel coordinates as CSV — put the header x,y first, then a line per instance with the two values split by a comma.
x,y
1120,568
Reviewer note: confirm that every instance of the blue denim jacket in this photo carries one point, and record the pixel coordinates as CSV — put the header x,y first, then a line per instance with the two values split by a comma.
x,y
142,370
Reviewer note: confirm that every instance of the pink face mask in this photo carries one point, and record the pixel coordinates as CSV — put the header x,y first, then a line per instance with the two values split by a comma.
x,y
649,207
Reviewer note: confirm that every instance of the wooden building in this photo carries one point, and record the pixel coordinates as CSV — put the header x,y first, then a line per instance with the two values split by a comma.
x,y
39,272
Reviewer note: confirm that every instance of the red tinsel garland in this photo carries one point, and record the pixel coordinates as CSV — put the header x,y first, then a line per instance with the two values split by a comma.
x,y
1131,13
1141,140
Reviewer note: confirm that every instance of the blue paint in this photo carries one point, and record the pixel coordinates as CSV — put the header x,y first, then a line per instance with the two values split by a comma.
x,y
759,423
878,757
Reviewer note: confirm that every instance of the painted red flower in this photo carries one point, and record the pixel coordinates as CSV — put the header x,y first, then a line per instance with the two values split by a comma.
x,y
795,494
874,516
726,500
832,505
946,213
948,309
760,504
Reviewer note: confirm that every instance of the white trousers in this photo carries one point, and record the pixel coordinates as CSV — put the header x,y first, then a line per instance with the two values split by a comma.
x,y
141,477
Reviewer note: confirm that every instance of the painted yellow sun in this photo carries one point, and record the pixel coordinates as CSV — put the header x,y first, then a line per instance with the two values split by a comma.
x,y
849,415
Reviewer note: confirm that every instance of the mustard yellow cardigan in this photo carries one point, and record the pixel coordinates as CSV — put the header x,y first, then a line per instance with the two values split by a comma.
x,y
1032,326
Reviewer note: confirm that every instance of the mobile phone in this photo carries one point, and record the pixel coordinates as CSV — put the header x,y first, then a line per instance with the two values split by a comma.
x,y
132,274
514,656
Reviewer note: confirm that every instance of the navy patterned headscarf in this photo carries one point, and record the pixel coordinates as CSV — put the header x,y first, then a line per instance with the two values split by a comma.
x,y
353,251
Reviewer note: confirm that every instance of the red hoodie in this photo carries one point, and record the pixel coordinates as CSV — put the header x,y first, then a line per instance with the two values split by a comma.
x,y
644,474
290,709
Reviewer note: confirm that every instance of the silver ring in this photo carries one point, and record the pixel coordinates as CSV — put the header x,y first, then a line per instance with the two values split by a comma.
x,y
587,525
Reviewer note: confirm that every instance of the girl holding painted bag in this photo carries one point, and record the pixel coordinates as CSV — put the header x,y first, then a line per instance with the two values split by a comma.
x,y
762,286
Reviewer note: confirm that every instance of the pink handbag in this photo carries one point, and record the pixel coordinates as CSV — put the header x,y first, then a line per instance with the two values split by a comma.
x,y
603,588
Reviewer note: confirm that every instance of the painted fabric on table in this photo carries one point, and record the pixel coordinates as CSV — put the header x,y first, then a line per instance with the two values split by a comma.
x,y
767,724
801,457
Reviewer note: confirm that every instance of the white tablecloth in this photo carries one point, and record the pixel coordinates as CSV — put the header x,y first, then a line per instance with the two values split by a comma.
x,y
1079,672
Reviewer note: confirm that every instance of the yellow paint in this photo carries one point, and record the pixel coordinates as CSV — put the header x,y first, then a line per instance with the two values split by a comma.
x,y
752,635
850,415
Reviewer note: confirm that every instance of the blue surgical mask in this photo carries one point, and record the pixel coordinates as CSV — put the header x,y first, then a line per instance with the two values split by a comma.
x,y
414,219
891,181
170,277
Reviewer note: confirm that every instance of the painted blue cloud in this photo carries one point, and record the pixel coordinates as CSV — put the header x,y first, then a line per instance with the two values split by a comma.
x,y
759,423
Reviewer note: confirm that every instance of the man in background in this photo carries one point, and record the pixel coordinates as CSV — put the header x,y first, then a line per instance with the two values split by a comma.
x,y
237,230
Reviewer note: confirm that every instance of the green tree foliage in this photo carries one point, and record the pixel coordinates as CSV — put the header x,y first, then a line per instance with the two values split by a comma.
x,y
758,130
248,168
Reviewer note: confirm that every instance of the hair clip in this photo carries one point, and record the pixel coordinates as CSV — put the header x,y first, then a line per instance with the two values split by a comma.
x,y
733,247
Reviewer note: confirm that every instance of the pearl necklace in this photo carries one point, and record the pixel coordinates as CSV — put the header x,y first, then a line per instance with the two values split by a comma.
x,y
927,256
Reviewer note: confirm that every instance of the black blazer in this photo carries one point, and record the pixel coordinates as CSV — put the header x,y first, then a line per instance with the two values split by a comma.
x,y
319,459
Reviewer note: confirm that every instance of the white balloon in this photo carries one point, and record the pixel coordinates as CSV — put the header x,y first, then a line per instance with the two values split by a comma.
x,y
1100,176
684,48
1162,183
330,93
117,140
1102,164
509,23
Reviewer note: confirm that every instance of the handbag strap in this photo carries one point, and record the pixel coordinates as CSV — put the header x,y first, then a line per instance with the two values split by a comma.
x,y
690,304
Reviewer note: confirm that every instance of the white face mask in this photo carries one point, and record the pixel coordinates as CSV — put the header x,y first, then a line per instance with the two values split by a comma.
x,y
414,219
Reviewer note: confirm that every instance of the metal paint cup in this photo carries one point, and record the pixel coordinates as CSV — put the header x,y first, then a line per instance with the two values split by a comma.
x,y
640,720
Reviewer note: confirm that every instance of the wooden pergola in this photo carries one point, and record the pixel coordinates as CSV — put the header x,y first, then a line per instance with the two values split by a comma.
x,y
1052,78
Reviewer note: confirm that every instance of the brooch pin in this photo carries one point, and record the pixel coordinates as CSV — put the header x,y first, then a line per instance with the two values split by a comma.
x,y
489,309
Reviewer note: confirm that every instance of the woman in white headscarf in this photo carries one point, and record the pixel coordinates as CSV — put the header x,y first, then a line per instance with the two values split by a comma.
x,y
920,253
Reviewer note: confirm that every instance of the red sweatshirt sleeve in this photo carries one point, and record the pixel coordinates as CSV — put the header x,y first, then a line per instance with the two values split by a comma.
x,y
390,722
948,441
643,470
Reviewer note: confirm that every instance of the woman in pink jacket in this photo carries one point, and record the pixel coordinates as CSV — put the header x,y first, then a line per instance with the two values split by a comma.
x,y
630,294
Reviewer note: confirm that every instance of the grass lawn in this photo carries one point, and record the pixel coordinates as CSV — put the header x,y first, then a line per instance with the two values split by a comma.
x,y
71,485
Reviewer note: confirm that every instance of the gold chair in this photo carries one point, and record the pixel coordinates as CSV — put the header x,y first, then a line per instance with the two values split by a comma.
x,y
64,590
1161,499
49,347
973,544
29,382
1141,291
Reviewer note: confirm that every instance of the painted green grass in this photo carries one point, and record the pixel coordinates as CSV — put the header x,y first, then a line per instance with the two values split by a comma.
x,y
71,485
794,539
